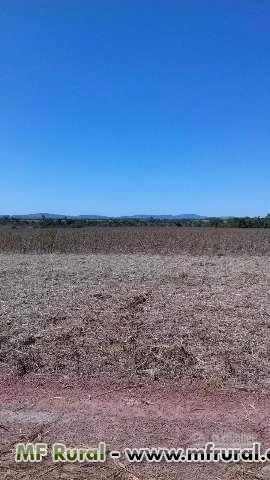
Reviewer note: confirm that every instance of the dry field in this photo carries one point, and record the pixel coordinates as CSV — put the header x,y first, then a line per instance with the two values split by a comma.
x,y
154,240
147,338
137,316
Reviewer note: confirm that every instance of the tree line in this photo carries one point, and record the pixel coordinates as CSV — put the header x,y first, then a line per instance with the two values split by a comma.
x,y
214,222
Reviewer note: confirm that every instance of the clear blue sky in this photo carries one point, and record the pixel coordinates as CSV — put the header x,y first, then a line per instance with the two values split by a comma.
x,y
124,107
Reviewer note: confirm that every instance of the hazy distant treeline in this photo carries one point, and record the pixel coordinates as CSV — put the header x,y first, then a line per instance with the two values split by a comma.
x,y
233,222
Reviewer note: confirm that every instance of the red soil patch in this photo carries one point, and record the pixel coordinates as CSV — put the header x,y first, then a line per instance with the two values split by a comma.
x,y
158,414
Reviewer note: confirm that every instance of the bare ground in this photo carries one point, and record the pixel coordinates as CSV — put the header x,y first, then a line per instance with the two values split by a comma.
x,y
130,416
140,349
164,240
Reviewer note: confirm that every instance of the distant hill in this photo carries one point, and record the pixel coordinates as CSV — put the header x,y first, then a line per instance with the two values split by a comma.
x,y
55,216
191,216
38,216
91,217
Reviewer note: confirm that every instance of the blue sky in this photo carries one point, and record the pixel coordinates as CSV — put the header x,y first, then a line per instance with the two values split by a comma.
x,y
124,107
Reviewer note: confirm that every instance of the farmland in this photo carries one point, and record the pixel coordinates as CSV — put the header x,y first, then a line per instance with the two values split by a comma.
x,y
153,240
103,328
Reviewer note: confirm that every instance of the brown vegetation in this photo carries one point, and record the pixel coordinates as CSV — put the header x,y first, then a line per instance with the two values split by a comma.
x,y
143,316
141,324
163,240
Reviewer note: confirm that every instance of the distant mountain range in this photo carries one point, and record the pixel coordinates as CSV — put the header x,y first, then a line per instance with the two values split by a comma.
x,y
168,217
40,216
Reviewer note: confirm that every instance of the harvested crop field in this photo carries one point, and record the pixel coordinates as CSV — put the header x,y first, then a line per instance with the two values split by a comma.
x,y
148,240
178,316
136,349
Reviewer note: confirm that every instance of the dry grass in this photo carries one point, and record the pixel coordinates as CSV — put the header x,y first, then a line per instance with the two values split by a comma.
x,y
193,318
153,240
